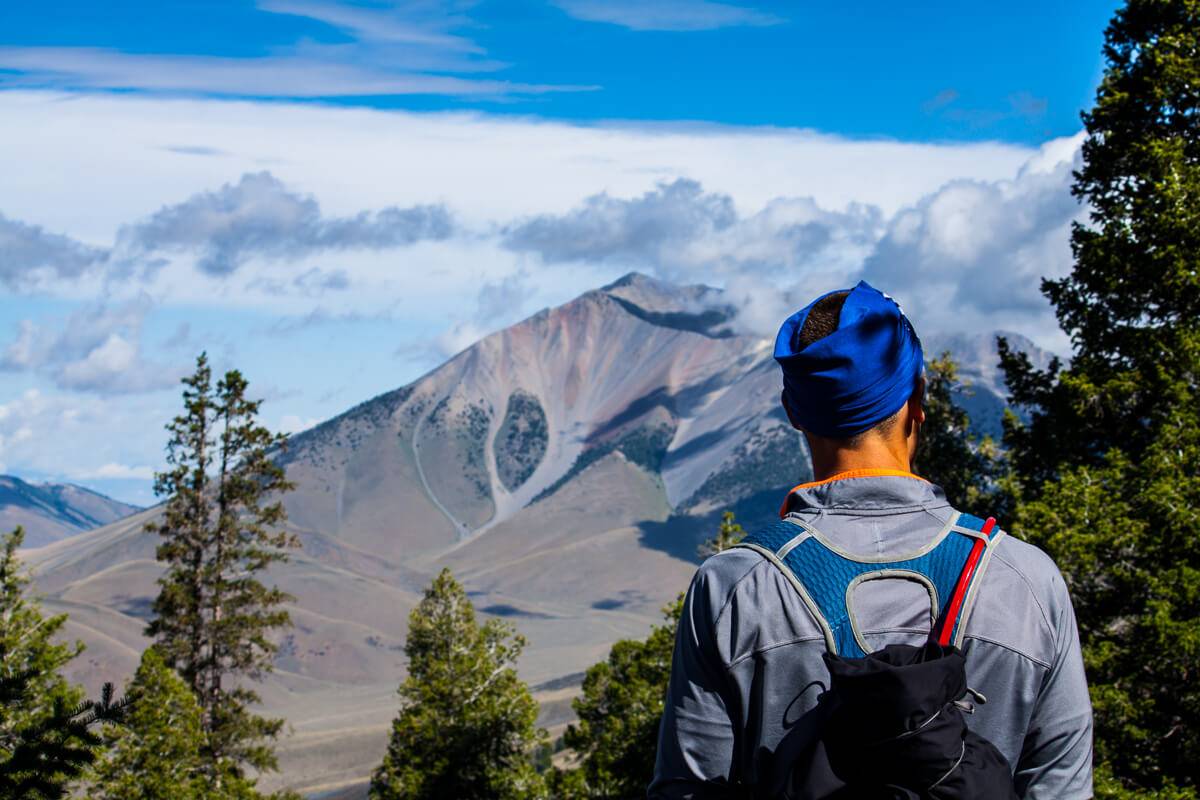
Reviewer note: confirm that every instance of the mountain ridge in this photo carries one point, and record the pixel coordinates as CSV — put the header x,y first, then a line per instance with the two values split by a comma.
x,y
49,511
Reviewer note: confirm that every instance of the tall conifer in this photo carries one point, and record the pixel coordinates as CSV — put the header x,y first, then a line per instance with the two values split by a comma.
x,y
221,527
1110,462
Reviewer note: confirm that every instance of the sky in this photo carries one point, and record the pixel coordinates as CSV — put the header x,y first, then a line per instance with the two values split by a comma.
x,y
334,197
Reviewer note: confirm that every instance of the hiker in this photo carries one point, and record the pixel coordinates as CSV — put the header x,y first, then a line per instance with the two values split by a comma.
x,y
871,583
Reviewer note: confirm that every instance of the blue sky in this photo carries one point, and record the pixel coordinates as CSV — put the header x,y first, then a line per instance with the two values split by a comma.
x,y
335,197
927,71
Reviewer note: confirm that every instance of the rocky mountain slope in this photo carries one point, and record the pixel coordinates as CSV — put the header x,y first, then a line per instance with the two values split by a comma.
x,y
52,511
565,468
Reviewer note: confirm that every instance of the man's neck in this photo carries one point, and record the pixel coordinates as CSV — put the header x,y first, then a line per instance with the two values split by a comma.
x,y
829,459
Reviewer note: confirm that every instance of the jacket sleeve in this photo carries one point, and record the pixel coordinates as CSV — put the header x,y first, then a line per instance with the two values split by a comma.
x,y
696,736
1056,757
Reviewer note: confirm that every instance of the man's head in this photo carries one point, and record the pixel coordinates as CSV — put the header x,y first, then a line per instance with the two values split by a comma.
x,y
853,374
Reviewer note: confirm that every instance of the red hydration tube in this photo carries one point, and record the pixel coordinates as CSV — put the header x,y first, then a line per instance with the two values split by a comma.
x,y
964,582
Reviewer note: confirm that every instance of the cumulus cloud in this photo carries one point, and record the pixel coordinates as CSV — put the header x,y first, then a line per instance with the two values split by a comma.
x,y
29,255
98,349
984,247
259,217
667,15
679,229
969,255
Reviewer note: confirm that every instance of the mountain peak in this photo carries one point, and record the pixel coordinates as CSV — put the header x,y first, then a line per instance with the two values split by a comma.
x,y
655,295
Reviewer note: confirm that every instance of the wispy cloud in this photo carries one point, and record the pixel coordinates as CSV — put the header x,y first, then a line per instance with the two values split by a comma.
x,y
1018,105
667,15
260,217
402,49
318,74
417,24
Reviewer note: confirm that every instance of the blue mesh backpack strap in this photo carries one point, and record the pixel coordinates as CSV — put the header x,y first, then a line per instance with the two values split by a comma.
x,y
825,576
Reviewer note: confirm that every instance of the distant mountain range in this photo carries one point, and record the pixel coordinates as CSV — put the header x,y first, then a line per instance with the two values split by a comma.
x,y
565,468
52,511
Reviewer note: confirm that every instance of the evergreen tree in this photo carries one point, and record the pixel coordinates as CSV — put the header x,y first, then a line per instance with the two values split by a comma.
x,y
948,454
616,737
1108,463
466,727
158,754
45,736
729,533
220,529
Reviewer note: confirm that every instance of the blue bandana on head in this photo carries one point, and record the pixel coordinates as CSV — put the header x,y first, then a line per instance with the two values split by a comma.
x,y
857,376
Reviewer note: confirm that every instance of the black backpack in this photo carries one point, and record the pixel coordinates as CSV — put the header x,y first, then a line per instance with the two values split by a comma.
x,y
892,722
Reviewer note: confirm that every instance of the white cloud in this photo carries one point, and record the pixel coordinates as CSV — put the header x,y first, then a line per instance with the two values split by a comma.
x,y
973,254
486,168
667,15
97,348
294,423
31,256
61,437
113,470
458,337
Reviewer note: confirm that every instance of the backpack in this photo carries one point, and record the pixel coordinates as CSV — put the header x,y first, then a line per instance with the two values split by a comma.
x,y
891,722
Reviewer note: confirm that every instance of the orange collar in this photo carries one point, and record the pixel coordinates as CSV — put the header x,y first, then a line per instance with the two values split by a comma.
x,y
869,472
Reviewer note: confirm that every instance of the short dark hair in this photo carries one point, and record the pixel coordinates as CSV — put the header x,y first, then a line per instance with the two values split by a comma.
x,y
821,321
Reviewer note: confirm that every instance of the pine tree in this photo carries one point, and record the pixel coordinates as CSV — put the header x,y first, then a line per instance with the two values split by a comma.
x,y
46,741
616,737
1109,462
466,727
619,711
220,529
158,753
729,533
949,454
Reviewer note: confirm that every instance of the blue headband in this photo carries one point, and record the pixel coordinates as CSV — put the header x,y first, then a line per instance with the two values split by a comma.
x,y
857,376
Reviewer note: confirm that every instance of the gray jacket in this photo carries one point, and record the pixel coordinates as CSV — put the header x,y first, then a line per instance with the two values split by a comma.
x,y
747,667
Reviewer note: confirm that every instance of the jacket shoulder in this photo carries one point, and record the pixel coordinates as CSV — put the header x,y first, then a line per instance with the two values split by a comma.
x,y
1021,601
720,574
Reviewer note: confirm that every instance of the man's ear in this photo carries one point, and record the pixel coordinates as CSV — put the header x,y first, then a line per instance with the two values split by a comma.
x,y
916,403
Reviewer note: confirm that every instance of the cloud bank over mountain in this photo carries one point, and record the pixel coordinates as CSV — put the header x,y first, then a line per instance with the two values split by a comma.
x,y
370,245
